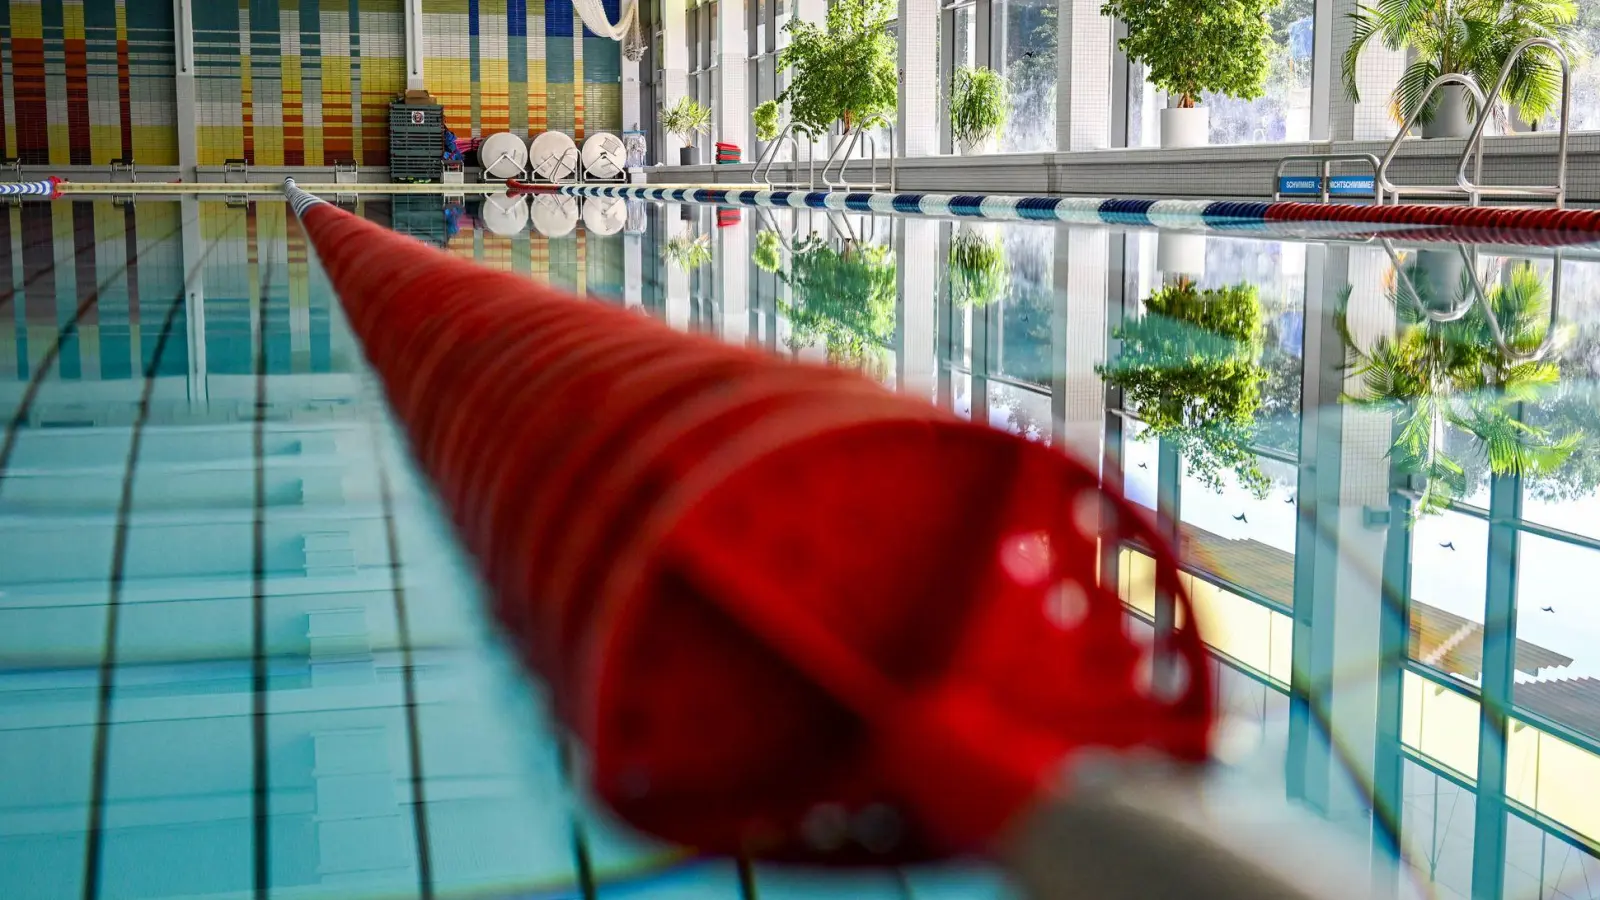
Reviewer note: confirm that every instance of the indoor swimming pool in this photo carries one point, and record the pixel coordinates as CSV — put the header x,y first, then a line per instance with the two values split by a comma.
x,y
222,579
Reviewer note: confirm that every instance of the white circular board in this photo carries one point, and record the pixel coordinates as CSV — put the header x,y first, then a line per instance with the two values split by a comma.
x,y
554,215
605,215
604,156
503,155
504,214
553,156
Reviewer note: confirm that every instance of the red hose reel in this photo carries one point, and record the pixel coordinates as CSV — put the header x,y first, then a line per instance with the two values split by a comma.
x,y
790,614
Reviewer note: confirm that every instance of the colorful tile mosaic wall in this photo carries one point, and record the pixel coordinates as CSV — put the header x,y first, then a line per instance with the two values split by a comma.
x,y
519,65
88,81
297,82
130,258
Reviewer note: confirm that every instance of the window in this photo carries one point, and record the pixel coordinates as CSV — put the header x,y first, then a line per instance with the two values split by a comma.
x,y
1030,66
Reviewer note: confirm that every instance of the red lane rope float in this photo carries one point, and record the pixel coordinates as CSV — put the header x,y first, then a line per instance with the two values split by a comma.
x,y
790,614
513,186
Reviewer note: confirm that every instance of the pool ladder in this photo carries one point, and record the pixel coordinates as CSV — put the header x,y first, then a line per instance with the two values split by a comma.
x,y
841,156
1471,187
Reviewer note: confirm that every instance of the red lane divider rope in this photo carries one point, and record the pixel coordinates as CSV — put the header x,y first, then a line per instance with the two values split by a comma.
x,y
789,613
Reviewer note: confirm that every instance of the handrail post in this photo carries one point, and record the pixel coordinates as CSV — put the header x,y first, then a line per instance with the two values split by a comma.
x,y
1465,81
1475,185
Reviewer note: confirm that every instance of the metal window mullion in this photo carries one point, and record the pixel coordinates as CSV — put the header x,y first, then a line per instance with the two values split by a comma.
x,y
1497,684
983,41
947,70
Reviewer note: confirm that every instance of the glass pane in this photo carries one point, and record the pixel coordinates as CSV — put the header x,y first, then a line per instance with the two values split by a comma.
x,y
1020,411
1449,558
1030,66
1558,634
1139,452
1026,292
1441,724
1436,830
1238,536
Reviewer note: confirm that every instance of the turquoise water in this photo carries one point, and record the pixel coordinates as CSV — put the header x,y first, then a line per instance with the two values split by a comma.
x,y
222,580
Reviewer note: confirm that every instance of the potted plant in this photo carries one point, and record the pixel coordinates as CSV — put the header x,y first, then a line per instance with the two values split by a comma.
x,y
687,252
977,269
1467,37
765,118
688,120
1190,47
1190,369
980,100
844,72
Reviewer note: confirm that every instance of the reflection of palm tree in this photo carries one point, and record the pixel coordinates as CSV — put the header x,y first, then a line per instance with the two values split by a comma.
x,y
1436,376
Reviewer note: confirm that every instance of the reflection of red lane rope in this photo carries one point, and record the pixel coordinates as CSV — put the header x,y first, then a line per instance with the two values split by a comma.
x,y
790,614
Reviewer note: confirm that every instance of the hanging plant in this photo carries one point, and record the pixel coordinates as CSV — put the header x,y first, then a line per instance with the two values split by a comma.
x,y
1191,47
1188,369
980,100
842,72
977,269
765,118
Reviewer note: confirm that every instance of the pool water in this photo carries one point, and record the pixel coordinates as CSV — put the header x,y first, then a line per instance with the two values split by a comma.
x,y
221,579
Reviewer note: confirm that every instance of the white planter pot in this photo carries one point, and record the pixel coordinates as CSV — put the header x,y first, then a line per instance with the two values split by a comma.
x,y
975,148
1181,254
1185,127
1450,118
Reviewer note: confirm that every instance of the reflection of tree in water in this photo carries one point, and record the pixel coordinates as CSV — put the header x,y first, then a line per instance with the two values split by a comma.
x,y
1455,393
843,298
1282,296
1573,408
1189,370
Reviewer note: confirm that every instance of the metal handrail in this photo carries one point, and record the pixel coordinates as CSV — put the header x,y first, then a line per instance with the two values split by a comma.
x,y
1394,190
1327,160
844,154
1481,297
763,169
1557,190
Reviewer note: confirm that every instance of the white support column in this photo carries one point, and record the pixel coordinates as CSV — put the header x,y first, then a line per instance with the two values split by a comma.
x,y
1083,76
183,35
917,120
1377,72
733,53
413,45
673,53
632,93
733,276
632,269
194,301
811,11
918,373
1082,277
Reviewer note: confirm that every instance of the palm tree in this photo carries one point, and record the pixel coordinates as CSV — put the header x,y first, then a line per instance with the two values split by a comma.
x,y
1469,37
1435,376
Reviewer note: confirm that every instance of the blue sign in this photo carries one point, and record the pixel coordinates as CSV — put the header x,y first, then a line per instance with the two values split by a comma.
x,y
1300,184
1351,184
